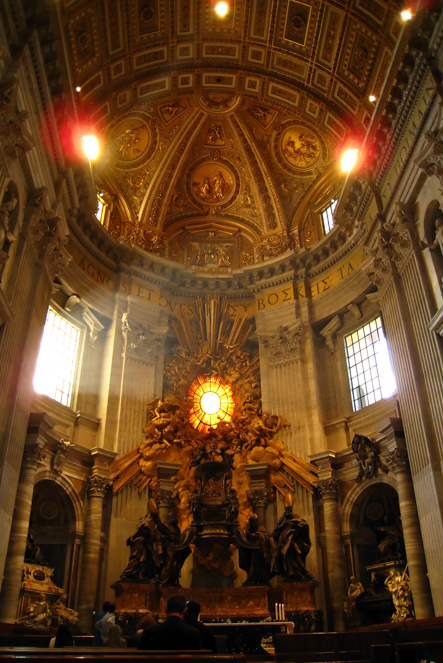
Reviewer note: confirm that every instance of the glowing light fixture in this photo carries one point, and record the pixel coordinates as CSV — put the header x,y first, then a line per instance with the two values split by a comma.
x,y
212,402
372,98
78,88
406,15
348,160
221,8
91,147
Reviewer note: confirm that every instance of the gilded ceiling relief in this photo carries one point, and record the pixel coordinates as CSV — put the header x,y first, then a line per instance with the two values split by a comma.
x,y
330,36
300,147
219,102
129,140
83,32
297,22
169,112
215,135
264,116
261,13
213,184
114,23
147,17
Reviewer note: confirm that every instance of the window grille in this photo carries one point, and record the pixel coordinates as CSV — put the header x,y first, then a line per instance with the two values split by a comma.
x,y
57,359
369,365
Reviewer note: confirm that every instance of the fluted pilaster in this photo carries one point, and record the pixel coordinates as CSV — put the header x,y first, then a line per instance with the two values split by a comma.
x,y
33,455
328,490
398,462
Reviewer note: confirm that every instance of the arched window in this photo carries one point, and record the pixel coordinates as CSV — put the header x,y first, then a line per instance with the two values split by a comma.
x,y
327,216
58,358
369,365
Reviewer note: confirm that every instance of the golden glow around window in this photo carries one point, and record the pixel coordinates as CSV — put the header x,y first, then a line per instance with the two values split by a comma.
x,y
212,402
102,207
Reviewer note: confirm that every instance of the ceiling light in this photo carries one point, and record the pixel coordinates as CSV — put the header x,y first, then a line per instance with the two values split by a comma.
x,y
372,98
406,14
221,8
348,160
91,147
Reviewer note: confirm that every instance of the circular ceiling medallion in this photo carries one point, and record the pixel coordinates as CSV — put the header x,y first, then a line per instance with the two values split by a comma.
x,y
213,184
130,139
300,147
212,402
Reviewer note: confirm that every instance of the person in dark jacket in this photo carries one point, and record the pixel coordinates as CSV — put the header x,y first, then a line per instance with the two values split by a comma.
x,y
173,633
192,613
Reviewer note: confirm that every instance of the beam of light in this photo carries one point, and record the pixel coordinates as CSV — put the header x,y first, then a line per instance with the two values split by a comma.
x,y
91,147
348,160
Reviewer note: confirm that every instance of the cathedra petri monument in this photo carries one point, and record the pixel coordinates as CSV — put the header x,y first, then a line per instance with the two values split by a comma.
x,y
211,464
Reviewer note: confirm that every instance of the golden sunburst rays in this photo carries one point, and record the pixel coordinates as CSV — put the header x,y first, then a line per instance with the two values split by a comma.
x,y
212,402
212,350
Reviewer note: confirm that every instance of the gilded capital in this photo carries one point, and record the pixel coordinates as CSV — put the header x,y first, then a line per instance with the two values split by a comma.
x,y
397,461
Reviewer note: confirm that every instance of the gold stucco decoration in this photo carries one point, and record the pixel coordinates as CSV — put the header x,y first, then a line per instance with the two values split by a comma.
x,y
212,344
300,147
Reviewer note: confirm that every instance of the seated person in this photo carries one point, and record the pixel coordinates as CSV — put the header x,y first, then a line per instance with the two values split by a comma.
x,y
173,633
145,622
114,637
63,638
191,617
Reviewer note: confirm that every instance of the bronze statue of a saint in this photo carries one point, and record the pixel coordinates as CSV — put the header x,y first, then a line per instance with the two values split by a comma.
x,y
292,545
255,554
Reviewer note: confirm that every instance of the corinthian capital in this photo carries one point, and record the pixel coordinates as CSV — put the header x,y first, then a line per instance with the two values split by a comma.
x,y
284,346
98,485
397,461
328,488
33,454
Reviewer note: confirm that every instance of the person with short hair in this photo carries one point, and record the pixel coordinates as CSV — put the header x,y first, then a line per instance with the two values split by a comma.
x,y
97,641
105,623
115,637
173,633
63,638
191,617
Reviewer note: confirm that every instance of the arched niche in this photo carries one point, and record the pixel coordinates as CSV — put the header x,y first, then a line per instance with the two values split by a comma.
x,y
54,525
369,509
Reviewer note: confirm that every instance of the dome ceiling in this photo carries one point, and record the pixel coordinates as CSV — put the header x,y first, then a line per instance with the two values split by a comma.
x,y
222,134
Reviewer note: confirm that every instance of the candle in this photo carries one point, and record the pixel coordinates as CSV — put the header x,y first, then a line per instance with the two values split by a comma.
x,y
283,611
280,615
276,613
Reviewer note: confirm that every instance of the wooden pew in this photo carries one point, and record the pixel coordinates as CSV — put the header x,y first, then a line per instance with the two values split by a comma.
x,y
70,655
414,652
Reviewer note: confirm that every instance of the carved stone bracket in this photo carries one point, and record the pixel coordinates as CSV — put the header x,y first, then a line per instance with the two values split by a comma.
x,y
329,332
94,325
98,485
328,488
284,346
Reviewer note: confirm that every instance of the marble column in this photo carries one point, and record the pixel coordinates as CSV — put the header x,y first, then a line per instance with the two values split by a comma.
x,y
33,455
258,493
166,473
334,550
90,568
415,553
